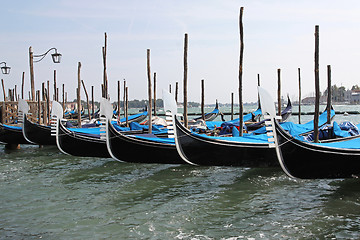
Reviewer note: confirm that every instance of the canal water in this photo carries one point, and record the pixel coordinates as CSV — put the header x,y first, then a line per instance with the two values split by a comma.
x,y
45,194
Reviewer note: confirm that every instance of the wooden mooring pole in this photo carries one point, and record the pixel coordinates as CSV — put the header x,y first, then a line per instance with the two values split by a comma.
x,y
299,96
3,87
22,85
176,91
149,91
118,97
32,81
258,83
328,108
154,93
185,80
126,107
241,122
317,86
202,100
38,106
63,97
78,95
279,91
232,106
104,51
55,88
92,102
48,102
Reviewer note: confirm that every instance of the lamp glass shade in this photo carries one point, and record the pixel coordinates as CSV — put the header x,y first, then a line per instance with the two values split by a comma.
x,y
56,57
5,70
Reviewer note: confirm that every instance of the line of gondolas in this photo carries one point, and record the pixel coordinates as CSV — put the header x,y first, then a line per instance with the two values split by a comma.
x,y
262,138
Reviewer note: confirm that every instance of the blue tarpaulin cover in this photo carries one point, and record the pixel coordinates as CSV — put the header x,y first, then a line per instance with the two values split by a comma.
x,y
212,124
298,129
12,127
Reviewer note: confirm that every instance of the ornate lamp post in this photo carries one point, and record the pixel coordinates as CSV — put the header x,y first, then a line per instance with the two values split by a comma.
x,y
5,69
56,57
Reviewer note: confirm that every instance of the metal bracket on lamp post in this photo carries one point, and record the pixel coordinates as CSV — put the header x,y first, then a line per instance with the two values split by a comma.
x,y
56,57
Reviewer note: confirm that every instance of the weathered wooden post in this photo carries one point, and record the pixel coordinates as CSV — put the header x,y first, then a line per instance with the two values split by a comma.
x,y
258,78
232,106
22,85
154,93
3,87
299,96
38,106
126,106
57,94
48,102
87,99
78,95
118,95
63,97
15,93
202,100
44,101
328,107
279,91
32,81
185,80
125,109
92,102
176,91
317,86
104,51
241,120
149,91
55,88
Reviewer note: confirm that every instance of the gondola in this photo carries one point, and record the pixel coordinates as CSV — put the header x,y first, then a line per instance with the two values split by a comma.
x,y
37,133
80,144
198,149
33,132
74,143
10,134
285,114
306,160
139,148
211,115
335,159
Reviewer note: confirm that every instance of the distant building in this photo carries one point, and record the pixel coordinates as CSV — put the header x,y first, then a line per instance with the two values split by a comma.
x,y
311,100
355,97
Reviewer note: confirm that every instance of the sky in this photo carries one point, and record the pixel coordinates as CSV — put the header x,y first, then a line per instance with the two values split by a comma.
x,y
278,34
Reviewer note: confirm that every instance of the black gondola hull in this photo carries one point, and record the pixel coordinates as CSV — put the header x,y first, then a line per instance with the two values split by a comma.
x,y
37,133
212,152
11,136
311,161
129,149
78,145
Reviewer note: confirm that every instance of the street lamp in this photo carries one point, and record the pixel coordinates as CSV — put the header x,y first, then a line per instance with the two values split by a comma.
x,y
5,69
56,57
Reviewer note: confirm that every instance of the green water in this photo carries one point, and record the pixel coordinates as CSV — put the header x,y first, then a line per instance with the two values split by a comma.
x,y
45,194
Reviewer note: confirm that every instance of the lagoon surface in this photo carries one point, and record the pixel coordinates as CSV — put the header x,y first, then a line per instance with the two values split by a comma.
x,y
48,195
